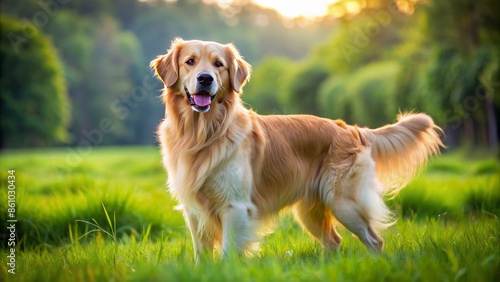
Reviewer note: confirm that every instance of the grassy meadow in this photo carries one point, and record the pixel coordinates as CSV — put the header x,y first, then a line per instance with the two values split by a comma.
x,y
104,215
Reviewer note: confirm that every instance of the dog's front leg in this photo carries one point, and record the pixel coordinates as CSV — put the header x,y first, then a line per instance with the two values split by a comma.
x,y
202,240
238,227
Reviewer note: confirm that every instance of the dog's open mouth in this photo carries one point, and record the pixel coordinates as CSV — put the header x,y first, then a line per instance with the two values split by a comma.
x,y
200,101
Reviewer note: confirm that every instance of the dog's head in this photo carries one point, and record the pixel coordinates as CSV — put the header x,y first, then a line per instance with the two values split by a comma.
x,y
201,71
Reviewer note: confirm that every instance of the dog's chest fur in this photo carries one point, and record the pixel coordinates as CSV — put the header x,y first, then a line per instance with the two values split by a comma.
x,y
227,183
212,177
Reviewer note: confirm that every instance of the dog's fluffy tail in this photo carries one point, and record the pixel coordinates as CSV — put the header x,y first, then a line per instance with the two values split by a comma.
x,y
400,149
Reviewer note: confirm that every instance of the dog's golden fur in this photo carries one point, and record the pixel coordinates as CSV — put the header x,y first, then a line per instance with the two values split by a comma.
x,y
232,169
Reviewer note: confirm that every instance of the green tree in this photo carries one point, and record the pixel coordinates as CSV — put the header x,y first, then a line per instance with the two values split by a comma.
x,y
33,105
266,89
455,78
335,101
365,97
303,88
102,64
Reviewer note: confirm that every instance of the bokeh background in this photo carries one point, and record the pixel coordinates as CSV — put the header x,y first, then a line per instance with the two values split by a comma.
x,y
76,73
79,107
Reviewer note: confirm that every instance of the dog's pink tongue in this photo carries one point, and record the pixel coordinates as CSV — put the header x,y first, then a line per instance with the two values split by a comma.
x,y
202,100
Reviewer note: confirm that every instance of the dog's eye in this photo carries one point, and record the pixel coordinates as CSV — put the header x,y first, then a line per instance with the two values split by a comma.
x,y
190,62
218,64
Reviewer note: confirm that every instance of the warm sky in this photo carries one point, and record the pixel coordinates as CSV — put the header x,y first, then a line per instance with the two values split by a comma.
x,y
293,8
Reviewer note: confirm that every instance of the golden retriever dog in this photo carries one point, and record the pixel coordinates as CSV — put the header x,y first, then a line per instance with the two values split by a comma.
x,y
233,170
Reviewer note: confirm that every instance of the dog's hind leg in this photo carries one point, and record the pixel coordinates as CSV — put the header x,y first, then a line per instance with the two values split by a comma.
x,y
347,212
358,203
319,222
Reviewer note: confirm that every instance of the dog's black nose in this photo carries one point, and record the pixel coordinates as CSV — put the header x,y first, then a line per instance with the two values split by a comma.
x,y
204,79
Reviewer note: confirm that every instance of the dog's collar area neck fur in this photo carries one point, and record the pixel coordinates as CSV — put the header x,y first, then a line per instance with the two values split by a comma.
x,y
196,107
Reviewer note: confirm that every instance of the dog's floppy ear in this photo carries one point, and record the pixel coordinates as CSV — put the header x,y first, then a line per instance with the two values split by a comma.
x,y
239,69
166,67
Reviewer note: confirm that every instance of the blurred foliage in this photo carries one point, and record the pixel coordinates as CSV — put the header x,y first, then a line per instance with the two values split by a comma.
x,y
438,57
267,84
365,97
364,62
33,101
106,47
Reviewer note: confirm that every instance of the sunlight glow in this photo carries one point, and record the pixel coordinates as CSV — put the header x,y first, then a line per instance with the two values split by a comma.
x,y
352,7
298,8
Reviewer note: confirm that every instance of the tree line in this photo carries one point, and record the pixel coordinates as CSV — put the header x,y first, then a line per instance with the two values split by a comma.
x,y
76,72
438,57
100,54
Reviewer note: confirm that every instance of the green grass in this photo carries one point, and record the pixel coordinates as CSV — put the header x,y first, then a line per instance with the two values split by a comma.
x,y
106,215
